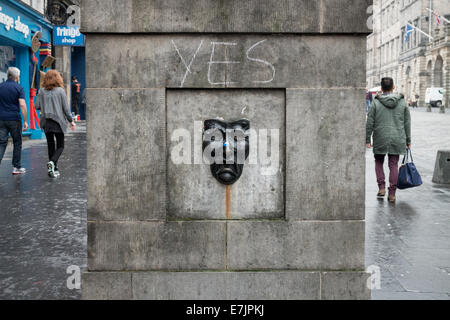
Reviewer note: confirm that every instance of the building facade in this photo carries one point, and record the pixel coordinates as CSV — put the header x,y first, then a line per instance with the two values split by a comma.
x,y
38,5
418,63
19,22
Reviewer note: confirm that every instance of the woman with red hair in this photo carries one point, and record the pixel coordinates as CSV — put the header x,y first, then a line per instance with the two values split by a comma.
x,y
55,116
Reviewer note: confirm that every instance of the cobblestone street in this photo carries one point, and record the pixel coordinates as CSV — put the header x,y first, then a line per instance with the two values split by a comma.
x,y
44,231
410,240
43,221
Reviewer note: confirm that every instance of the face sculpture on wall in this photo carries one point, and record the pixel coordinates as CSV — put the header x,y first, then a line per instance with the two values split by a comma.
x,y
226,147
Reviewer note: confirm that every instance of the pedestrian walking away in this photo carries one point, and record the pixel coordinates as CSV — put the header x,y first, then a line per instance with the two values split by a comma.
x,y
369,100
55,117
416,101
12,102
76,93
389,122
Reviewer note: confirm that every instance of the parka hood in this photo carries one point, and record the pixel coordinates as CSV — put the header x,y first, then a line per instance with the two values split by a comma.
x,y
390,100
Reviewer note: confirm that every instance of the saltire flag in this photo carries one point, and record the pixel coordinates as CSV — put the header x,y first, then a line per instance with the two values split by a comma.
x,y
409,29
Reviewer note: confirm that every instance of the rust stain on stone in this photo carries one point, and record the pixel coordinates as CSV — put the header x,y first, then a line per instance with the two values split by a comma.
x,y
227,201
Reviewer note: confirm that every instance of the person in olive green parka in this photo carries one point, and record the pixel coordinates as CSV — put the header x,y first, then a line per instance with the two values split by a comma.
x,y
389,122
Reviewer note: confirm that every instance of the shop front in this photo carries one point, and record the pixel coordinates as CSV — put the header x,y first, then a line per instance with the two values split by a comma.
x,y
72,38
18,24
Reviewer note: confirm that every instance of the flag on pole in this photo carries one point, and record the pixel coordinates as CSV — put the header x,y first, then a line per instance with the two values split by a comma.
x,y
438,18
409,29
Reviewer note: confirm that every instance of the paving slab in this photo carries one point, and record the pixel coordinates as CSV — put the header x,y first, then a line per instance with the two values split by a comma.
x,y
410,240
43,221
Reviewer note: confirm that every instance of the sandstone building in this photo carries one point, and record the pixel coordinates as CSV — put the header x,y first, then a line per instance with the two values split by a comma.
x,y
419,63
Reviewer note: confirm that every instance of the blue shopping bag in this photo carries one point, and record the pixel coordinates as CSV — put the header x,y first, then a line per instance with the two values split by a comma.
x,y
408,176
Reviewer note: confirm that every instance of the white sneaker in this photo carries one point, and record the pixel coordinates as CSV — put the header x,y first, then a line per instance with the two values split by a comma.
x,y
51,169
17,171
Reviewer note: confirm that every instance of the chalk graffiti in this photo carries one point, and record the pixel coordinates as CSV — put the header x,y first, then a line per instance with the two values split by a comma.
x,y
188,66
211,62
249,55
261,61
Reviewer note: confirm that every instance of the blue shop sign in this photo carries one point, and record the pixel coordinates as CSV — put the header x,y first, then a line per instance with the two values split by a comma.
x,y
18,24
67,36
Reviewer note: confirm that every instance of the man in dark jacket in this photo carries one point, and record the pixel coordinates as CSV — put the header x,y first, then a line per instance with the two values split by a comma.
x,y
12,102
390,123
76,93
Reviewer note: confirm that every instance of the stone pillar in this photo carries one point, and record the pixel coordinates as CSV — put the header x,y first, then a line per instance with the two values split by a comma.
x,y
422,83
290,228
63,64
441,173
446,77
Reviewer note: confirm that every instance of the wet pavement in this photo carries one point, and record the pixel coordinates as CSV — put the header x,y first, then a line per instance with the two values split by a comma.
x,y
43,226
43,221
410,240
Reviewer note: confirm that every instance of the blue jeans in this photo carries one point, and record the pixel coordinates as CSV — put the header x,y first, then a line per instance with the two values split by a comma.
x,y
15,129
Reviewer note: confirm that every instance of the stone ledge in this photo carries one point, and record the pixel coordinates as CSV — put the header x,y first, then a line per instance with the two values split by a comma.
x,y
289,285
345,286
124,246
261,61
226,285
106,286
295,245
278,285
214,246
232,16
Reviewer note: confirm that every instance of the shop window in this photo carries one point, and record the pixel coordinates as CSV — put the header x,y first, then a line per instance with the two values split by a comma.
x,y
7,59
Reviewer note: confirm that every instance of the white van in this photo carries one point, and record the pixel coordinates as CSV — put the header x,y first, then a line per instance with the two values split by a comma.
x,y
434,97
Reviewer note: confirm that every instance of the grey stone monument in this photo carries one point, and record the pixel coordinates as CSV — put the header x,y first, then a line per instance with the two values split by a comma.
x,y
159,225
441,173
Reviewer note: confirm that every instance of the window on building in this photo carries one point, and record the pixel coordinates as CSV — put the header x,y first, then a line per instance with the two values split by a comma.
x,y
410,40
37,5
388,15
386,52
402,47
397,10
416,33
7,59
392,50
395,48
391,53
399,42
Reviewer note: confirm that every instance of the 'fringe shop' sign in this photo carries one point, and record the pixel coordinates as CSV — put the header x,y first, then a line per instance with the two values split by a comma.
x,y
16,24
67,36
